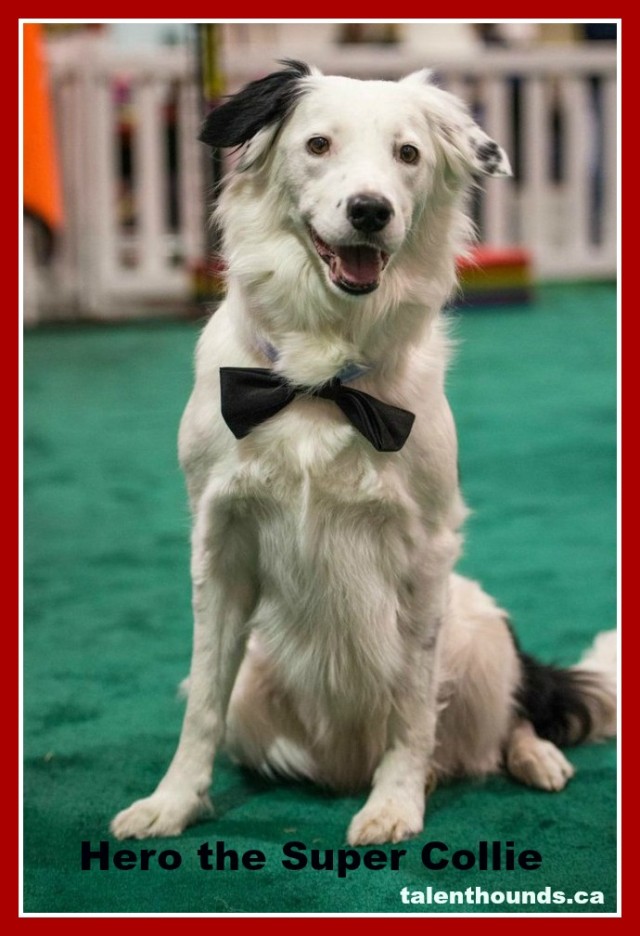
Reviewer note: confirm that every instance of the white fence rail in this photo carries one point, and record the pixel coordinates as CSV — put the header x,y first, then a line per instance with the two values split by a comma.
x,y
133,174
132,178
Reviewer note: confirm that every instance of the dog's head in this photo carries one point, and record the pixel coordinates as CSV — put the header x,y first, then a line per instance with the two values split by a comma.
x,y
357,161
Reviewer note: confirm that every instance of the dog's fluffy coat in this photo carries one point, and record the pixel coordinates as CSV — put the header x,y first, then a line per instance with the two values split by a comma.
x,y
332,639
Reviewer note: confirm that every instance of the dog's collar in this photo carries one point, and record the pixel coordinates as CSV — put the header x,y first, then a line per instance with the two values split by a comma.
x,y
351,371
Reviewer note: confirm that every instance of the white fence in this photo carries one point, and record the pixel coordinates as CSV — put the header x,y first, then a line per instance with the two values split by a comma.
x,y
133,169
132,177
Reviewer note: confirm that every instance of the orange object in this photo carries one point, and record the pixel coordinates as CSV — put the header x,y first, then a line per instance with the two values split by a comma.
x,y
41,179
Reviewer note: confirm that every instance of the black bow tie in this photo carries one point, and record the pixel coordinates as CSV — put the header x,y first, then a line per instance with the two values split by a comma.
x,y
251,395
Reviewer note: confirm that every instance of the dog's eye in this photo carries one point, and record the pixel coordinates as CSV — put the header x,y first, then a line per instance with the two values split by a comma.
x,y
318,145
408,153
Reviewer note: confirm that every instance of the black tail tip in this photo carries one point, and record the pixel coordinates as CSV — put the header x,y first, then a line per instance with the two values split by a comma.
x,y
565,706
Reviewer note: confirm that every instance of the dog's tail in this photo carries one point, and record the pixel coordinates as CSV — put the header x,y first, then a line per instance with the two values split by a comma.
x,y
568,706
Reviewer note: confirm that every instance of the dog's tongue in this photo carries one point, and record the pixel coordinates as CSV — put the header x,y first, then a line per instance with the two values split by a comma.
x,y
359,265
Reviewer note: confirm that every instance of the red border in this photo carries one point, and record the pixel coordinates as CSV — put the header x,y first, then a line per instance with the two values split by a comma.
x,y
290,10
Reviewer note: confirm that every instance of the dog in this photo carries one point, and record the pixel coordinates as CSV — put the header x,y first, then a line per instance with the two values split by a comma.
x,y
333,640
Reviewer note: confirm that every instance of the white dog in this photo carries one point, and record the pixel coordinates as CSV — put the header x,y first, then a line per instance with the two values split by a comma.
x,y
326,517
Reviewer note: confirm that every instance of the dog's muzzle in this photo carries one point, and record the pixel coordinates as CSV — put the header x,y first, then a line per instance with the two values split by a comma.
x,y
354,268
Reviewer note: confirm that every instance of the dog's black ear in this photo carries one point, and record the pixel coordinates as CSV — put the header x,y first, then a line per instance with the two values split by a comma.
x,y
257,105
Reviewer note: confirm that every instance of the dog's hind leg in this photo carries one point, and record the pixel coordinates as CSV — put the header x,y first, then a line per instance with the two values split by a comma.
x,y
560,707
534,761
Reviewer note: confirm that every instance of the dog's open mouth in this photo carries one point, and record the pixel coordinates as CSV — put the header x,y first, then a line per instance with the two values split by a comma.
x,y
355,268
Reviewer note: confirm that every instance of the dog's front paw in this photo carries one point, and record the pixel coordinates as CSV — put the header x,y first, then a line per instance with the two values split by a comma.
x,y
161,814
388,820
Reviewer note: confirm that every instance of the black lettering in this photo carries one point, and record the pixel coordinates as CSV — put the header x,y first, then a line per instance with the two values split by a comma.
x,y
396,855
529,860
125,860
169,860
483,856
348,860
428,861
87,856
463,860
510,861
145,855
293,850
253,860
374,860
320,863
205,853
222,855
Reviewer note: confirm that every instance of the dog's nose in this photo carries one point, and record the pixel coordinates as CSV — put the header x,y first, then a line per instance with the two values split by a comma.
x,y
369,213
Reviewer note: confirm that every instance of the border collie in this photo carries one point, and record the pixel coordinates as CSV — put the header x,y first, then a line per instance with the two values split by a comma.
x,y
333,640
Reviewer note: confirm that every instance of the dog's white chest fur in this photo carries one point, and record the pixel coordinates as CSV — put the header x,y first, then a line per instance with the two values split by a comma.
x,y
333,545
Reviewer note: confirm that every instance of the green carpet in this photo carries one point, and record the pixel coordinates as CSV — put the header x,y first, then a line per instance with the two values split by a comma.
x,y
107,626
